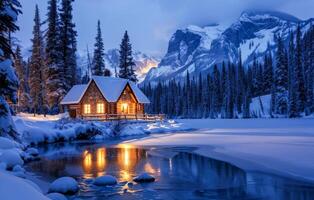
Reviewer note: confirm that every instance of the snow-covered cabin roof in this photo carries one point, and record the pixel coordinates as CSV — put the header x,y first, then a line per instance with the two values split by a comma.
x,y
75,95
110,87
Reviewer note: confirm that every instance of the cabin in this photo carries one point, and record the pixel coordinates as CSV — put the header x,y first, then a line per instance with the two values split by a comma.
x,y
106,98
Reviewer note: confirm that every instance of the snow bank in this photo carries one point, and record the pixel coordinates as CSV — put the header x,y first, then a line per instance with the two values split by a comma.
x,y
11,157
14,188
53,129
64,185
105,180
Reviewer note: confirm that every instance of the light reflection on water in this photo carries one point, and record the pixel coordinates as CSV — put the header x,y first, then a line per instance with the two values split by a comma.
x,y
180,176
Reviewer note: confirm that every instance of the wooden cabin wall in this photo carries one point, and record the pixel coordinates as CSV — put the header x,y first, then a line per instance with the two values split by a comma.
x,y
93,96
127,97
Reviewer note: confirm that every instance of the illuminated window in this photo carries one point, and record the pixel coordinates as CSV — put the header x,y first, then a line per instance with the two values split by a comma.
x,y
87,108
124,108
100,108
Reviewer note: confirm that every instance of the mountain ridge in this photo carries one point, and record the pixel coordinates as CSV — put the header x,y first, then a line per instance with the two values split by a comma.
x,y
196,49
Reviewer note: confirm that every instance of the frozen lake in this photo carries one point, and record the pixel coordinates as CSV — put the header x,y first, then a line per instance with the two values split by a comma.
x,y
180,174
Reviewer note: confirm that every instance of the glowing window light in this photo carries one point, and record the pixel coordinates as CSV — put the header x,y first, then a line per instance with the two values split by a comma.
x,y
124,107
87,161
87,109
100,108
101,162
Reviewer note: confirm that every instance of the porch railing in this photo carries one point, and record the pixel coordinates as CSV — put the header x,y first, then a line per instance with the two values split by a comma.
x,y
113,117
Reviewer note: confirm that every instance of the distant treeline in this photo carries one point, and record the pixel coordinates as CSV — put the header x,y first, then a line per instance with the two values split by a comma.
x,y
228,91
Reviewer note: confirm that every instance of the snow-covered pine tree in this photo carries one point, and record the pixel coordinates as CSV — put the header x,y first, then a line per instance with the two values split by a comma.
x,y
98,64
230,91
281,79
54,73
268,72
293,111
224,91
310,73
240,85
126,62
68,44
36,79
24,100
299,73
216,101
9,10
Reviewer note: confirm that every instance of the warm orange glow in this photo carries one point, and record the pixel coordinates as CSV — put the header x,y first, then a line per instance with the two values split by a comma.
x,y
148,168
100,108
87,161
124,107
87,109
101,159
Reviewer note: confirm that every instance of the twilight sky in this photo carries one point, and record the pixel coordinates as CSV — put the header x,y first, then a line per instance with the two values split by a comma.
x,y
151,22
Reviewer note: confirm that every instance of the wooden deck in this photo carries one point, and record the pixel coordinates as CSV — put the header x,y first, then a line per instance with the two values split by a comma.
x,y
114,117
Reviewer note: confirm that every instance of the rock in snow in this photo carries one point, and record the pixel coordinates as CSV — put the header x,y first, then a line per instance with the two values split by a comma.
x,y
64,185
144,178
105,180
11,158
56,196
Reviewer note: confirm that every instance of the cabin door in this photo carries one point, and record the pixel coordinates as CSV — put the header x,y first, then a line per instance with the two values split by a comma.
x,y
72,113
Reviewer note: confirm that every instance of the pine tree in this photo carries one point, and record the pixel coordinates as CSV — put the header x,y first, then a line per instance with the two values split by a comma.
x,y
126,63
268,72
8,81
310,73
281,79
36,79
299,73
55,76
224,91
68,44
293,111
24,99
98,64
216,102
240,85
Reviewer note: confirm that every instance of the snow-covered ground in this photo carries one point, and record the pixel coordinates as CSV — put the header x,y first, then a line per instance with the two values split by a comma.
x,y
49,129
280,146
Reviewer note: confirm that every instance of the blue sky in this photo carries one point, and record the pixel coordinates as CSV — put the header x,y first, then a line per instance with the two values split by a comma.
x,y
151,22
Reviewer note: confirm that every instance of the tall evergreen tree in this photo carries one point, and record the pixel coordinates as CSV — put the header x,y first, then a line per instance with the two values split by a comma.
x,y
98,64
299,73
55,74
281,79
24,99
9,10
68,44
126,63
36,79
293,110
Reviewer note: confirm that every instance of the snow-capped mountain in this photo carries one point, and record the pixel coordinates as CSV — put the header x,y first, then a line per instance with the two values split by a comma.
x,y
142,61
196,49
